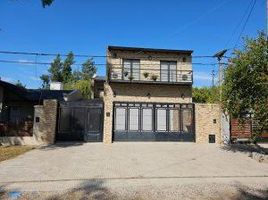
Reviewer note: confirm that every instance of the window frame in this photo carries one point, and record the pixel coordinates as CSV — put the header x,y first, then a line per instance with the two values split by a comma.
x,y
131,67
168,62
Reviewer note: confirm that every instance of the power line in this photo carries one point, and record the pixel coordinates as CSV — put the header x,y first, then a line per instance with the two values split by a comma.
x,y
79,55
244,26
239,23
97,64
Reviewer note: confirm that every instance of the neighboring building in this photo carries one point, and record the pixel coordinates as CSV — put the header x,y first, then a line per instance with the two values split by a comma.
x,y
17,108
148,95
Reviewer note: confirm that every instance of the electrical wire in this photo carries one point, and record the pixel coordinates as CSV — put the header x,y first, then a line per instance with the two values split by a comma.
x,y
79,64
80,55
244,26
239,23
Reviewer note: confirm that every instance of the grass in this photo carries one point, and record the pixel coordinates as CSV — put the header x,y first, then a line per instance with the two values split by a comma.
x,y
8,152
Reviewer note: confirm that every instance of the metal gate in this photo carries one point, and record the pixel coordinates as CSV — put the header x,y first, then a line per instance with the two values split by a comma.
x,y
80,121
135,121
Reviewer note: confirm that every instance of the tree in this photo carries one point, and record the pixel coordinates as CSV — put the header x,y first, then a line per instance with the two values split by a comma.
x,y
88,69
67,68
55,69
19,84
205,95
83,85
45,81
245,87
46,3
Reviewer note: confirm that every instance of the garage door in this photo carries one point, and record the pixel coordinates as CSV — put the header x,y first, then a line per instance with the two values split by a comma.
x,y
80,121
153,122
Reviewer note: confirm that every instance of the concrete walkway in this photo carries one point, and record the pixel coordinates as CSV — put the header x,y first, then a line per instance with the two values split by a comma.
x,y
72,165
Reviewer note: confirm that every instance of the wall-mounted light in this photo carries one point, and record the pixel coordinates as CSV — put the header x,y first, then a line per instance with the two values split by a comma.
x,y
150,58
114,94
182,96
114,55
148,95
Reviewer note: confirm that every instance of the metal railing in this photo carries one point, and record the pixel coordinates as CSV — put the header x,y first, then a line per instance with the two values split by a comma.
x,y
149,73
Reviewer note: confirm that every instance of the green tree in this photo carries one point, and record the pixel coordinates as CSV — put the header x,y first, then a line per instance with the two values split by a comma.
x,y
67,68
83,85
46,3
88,69
55,69
45,81
205,95
19,84
245,87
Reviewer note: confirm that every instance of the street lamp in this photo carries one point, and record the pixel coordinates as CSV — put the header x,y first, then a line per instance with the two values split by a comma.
x,y
219,55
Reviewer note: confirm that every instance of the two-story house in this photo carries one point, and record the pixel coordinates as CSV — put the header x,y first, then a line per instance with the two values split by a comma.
x,y
148,95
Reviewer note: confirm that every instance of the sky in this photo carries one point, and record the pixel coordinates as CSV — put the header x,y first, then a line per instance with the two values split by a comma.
x,y
88,27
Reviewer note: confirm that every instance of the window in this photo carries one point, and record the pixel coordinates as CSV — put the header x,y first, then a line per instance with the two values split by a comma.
x,y
131,69
144,117
133,119
120,119
147,119
187,120
161,120
168,71
174,120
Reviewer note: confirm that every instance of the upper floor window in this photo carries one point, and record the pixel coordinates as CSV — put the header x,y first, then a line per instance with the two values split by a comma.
x,y
131,69
168,71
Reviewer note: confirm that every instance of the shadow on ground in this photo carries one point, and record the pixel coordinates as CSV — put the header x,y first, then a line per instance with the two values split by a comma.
x,y
61,145
93,189
96,190
247,193
245,148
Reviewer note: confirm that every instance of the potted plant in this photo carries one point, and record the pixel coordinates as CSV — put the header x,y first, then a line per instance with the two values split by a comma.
x,y
146,74
130,78
154,77
125,74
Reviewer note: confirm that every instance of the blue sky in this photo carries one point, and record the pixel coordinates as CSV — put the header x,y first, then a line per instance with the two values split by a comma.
x,y
87,27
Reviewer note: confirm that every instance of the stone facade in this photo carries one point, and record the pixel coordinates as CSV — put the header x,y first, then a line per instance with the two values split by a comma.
x,y
141,91
149,62
207,122
128,92
45,121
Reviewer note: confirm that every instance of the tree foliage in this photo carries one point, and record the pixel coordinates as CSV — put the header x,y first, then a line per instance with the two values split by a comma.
x,y
20,84
88,69
67,68
245,87
55,69
205,95
46,3
62,72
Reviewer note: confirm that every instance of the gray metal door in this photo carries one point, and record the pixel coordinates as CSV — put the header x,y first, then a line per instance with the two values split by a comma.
x,y
80,121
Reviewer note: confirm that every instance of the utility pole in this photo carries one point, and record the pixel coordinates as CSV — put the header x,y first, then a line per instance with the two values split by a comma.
x,y
219,55
213,77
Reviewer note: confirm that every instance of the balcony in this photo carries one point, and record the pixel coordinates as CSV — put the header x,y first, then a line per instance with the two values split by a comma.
x,y
149,74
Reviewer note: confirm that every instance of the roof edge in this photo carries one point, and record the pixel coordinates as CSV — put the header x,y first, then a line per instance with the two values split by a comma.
x,y
148,49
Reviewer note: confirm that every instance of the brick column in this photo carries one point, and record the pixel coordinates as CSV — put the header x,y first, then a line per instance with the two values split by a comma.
x,y
45,121
108,114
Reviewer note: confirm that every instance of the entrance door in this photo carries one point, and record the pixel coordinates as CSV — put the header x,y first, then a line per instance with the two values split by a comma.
x,y
153,122
80,121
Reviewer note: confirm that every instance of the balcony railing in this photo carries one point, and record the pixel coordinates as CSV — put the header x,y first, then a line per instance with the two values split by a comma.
x,y
150,74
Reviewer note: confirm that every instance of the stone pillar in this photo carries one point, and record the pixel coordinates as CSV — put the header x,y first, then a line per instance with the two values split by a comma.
x,y
45,121
207,122
108,114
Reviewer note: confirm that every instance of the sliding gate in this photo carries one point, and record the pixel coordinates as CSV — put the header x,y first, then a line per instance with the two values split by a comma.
x,y
80,121
153,122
